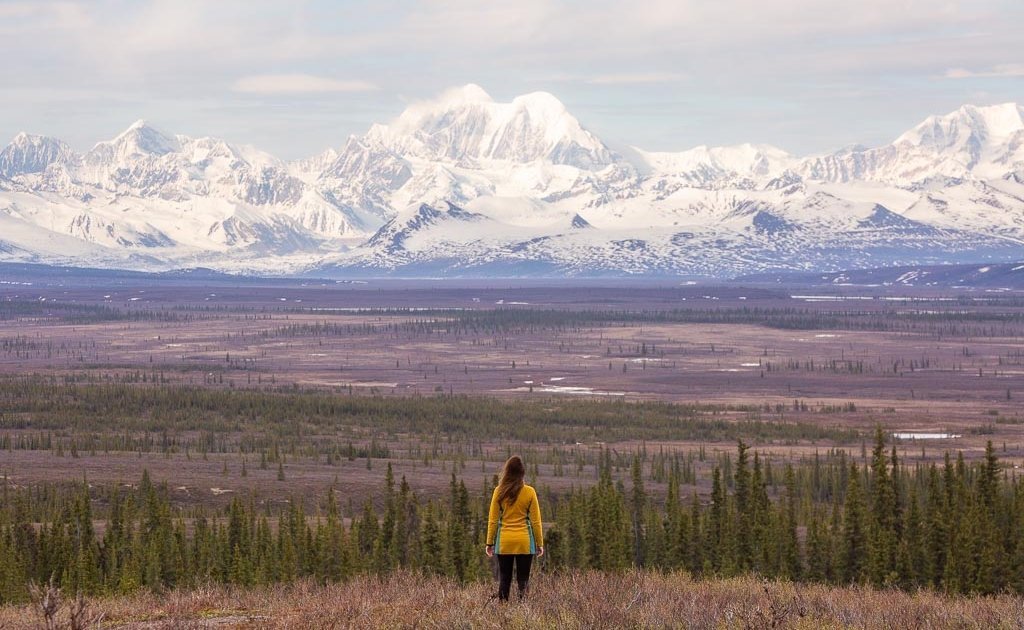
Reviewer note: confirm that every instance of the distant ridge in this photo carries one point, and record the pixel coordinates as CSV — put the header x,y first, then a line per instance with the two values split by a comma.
x,y
994,276
506,186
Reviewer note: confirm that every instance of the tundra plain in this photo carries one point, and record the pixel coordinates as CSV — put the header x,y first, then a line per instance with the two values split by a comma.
x,y
844,361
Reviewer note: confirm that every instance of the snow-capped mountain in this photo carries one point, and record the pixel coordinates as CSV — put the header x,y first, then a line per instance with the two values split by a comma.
x,y
972,142
146,198
463,184
32,154
740,166
467,127
464,146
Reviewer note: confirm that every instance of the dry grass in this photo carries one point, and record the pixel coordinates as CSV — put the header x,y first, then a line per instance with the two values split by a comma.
x,y
588,600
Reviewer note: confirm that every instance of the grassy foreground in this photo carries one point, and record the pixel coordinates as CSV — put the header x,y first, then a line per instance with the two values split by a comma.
x,y
587,600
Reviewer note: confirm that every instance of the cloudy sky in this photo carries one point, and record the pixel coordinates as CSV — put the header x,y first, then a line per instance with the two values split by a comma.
x,y
294,77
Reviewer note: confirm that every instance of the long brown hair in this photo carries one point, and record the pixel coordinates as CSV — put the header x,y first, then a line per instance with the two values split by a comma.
x,y
511,480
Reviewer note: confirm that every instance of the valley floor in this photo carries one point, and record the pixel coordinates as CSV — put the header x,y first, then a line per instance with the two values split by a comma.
x,y
586,600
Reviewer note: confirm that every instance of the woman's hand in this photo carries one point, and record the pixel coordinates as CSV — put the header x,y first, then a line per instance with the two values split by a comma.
x,y
540,551
489,550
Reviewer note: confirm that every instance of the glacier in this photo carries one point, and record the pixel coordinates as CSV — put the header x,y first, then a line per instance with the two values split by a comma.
x,y
463,185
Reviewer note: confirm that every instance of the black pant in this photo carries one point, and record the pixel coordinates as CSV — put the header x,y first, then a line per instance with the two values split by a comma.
x,y
522,562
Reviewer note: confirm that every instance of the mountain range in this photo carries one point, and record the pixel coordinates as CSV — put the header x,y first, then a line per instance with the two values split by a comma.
x,y
462,185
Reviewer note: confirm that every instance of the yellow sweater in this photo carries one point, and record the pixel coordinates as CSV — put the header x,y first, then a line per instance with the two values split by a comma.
x,y
515,528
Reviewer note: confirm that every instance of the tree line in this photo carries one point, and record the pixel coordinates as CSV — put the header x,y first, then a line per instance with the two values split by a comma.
x,y
958,318
953,526
62,404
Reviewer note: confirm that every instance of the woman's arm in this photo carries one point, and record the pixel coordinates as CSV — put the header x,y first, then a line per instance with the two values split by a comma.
x,y
492,519
538,527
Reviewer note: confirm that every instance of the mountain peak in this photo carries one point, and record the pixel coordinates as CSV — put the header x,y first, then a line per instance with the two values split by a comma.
x,y
453,99
1000,120
142,138
25,139
465,126
142,126
29,153
987,123
702,161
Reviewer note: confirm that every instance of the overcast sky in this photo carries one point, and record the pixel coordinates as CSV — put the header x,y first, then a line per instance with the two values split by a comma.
x,y
294,77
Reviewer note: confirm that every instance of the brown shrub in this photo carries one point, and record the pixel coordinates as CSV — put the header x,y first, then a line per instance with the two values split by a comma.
x,y
635,599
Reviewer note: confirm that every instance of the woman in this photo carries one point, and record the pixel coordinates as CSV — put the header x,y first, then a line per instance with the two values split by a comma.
x,y
513,528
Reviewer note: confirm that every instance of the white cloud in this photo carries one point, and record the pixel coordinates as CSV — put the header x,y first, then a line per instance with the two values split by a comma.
x,y
635,78
616,28
732,64
1001,70
12,10
42,16
298,84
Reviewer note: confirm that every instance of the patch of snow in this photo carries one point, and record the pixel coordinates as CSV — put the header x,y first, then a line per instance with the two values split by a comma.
x,y
916,435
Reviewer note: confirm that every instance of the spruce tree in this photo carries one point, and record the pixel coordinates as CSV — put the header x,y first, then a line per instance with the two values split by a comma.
x,y
790,565
745,510
637,504
855,542
882,531
434,554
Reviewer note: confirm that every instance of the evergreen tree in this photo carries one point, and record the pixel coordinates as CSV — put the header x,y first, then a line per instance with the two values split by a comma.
x,y
434,551
745,509
883,540
638,504
790,564
855,543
